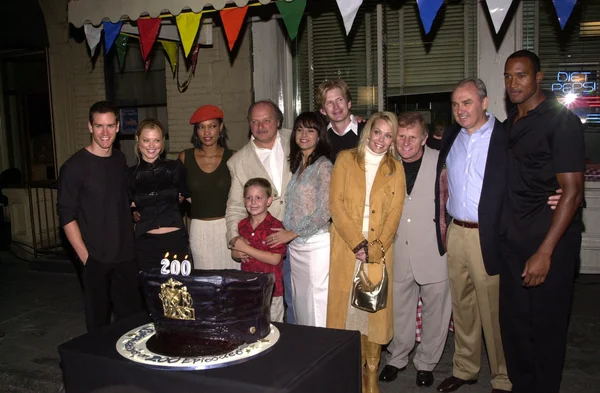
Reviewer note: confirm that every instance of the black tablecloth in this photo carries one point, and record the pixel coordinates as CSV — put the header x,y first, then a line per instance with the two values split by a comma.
x,y
305,359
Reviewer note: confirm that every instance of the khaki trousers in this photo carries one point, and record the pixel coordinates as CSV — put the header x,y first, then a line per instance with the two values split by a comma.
x,y
475,305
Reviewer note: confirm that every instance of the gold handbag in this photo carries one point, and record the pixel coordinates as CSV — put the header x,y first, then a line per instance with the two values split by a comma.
x,y
367,296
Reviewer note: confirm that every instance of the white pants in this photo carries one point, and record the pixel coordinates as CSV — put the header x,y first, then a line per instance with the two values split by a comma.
x,y
277,309
208,242
310,279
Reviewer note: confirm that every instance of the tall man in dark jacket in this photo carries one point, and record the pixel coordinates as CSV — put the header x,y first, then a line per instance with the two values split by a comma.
x,y
540,246
93,208
473,160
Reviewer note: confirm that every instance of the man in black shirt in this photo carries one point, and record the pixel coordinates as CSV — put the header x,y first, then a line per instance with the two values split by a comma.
x,y
335,101
540,246
435,139
93,208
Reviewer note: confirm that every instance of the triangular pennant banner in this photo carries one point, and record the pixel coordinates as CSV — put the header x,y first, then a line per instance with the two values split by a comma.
x,y
428,9
194,57
498,10
92,35
171,49
111,31
148,31
187,24
121,46
292,13
348,9
563,10
233,18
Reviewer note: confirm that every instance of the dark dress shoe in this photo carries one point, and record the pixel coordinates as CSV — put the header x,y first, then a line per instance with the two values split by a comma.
x,y
389,373
500,391
452,383
424,378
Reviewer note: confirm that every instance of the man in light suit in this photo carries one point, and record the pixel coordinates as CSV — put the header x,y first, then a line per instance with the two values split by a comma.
x,y
266,156
418,267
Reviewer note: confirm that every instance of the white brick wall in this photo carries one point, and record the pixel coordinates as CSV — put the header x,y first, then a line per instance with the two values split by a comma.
x,y
219,81
77,83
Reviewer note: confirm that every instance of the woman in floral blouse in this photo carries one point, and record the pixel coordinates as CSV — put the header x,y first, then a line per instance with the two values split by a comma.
x,y
306,218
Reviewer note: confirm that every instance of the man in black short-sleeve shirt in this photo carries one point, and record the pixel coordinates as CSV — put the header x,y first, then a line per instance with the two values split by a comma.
x,y
93,209
540,246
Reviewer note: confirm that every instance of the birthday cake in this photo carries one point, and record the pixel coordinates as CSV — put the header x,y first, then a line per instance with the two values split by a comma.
x,y
208,312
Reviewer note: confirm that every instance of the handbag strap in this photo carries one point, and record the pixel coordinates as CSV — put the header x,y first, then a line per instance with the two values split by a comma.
x,y
364,277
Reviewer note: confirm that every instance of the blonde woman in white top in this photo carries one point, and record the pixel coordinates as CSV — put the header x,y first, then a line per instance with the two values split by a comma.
x,y
366,200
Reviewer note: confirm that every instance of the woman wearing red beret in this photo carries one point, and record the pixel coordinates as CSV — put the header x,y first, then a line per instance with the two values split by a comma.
x,y
209,180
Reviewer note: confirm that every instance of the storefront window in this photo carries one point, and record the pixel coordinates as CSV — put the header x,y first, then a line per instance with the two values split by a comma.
x,y
570,60
417,69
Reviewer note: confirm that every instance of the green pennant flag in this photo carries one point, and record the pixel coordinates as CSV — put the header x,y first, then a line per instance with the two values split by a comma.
x,y
121,46
171,49
292,13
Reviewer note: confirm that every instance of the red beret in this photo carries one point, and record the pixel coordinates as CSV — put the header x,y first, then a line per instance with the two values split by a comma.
x,y
206,112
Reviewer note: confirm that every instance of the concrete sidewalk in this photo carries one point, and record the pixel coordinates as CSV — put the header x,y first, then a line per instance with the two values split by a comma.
x,y
41,310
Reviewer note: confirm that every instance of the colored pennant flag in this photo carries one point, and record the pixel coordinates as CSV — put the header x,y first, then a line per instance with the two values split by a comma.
x,y
498,10
292,13
148,31
563,10
428,9
348,9
111,31
171,49
233,18
92,36
187,24
121,47
194,57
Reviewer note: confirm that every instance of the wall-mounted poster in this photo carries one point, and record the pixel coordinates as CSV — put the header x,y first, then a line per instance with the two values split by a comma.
x,y
129,121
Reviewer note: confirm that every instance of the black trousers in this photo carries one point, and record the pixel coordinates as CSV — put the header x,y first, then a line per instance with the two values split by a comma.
x,y
150,249
534,321
110,287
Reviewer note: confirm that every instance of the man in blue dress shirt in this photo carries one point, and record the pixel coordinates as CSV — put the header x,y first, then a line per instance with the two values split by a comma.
x,y
473,155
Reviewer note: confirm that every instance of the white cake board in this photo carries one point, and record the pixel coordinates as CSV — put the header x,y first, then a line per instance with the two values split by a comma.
x,y
132,346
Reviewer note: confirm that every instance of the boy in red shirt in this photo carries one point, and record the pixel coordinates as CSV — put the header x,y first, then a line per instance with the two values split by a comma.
x,y
254,230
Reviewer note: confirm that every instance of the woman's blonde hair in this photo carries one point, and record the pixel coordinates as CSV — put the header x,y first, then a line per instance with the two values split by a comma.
x,y
389,159
148,124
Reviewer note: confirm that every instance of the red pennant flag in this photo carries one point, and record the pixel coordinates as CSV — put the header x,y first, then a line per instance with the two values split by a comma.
x,y
233,18
148,32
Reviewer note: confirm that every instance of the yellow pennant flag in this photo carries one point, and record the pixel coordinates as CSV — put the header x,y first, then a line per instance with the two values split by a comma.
x,y
187,24
171,49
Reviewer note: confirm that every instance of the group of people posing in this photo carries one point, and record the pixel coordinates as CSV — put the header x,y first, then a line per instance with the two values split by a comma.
x,y
476,230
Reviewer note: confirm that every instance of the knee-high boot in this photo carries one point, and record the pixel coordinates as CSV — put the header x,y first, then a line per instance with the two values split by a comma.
x,y
372,355
363,361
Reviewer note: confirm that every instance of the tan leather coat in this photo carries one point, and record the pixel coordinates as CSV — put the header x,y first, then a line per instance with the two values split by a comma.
x,y
347,203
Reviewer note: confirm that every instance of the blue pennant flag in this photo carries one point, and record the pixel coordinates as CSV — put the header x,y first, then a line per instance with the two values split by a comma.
x,y
563,10
428,9
111,31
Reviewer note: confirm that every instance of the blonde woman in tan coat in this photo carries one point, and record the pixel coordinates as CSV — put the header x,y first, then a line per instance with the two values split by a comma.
x,y
366,199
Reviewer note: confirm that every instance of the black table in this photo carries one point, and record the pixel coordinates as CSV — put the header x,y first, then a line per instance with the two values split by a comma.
x,y
305,359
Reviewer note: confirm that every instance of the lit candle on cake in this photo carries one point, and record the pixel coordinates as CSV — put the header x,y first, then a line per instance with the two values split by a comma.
x,y
175,265
186,266
165,263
